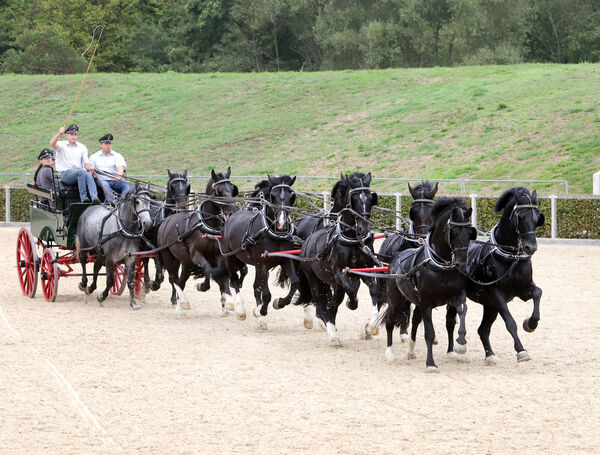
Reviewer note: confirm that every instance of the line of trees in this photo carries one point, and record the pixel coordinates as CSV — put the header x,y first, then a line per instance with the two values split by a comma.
x,y
47,36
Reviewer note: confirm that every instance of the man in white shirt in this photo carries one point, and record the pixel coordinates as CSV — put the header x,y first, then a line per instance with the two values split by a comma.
x,y
107,160
73,164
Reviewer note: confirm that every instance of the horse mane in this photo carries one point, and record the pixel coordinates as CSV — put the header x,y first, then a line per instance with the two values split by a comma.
x,y
443,205
426,188
339,190
511,197
265,186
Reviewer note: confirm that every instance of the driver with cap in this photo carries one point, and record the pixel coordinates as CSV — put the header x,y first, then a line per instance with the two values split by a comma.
x,y
72,162
111,166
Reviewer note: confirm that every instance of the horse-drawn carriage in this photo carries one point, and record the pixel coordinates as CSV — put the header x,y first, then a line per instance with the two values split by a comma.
x,y
47,250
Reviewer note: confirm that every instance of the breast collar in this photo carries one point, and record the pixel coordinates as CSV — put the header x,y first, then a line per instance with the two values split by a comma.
x,y
503,253
351,240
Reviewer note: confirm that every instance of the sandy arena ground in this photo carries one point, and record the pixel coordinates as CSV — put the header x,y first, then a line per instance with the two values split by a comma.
x,y
78,378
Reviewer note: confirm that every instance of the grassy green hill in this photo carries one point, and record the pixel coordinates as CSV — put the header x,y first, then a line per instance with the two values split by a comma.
x,y
491,122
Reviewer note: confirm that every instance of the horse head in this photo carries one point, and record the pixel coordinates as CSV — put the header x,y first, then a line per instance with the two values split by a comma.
x,y
420,209
277,191
519,220
220,186
359,199
452,231
178,189
138,203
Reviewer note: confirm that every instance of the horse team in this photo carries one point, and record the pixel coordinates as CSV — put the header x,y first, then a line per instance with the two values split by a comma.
x,y
437,261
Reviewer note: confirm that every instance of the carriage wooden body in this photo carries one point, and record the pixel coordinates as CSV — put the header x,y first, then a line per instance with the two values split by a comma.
x,y
46,250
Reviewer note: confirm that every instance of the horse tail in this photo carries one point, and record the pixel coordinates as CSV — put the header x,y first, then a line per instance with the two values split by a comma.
x,y
382,316
197,271
77,245
283,276
304,294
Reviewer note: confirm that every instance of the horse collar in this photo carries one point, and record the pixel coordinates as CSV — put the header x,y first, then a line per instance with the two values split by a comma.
x,y
505,254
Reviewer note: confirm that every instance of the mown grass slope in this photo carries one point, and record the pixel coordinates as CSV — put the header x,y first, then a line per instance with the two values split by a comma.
x,y
491,122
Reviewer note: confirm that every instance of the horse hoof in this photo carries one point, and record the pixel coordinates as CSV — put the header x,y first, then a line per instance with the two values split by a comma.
x,y
404,337
529,326
308,324
255,312
491,360
523,356
147,288
374,331
365,333
204,287
89,290
82,287
229,306
352,305
335,341
435,340
135,306
262,325
389,354
241,316
321,325
460,348
99,297
155,286
185,305
276,304
433,369
411,356
461,358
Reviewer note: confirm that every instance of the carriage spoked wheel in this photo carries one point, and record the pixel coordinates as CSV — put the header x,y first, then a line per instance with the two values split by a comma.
x,y
120,280
49,275
27,262
138,279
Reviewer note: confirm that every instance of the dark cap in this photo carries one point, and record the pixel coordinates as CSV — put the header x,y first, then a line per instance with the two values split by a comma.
x,y
72,129
106,138
46,153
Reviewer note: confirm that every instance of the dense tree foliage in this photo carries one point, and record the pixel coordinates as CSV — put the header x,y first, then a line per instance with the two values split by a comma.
x,y
45,36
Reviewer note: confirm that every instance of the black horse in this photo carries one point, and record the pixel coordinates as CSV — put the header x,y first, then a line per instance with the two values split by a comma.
x,y
196,253
502,270
177,194
264,226
112,233
328,251
431,275
420,222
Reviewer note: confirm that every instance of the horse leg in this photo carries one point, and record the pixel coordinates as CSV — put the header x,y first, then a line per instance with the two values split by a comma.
x,y
83,261
172,266
205,285
416,320
333,305
489,316
98,262
371,328
262,295
461,308
130,267
279,303
530,324
182,301
109,266
511,326
429,336
147,286
233,265
159,276
350,286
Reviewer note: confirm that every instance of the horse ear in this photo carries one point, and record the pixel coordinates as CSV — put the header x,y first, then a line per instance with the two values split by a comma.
x,y
473,234
228,173
368,179
269,179
534,196
412,192
235,191
375,198
213,175
170,175
185,174
293,180
435,188
541,220
468,213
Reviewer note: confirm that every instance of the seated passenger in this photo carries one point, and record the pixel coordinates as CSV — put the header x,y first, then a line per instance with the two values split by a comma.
x,y
111,166
44,176
72,162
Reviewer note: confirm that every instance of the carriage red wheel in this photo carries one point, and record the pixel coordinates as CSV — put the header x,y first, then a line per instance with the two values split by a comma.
x,y
49,275
27,262
120,280
138,279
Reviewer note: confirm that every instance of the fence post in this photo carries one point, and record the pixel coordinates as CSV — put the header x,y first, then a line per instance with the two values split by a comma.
x,y
398,210
325,201
474,207
553,216
7,202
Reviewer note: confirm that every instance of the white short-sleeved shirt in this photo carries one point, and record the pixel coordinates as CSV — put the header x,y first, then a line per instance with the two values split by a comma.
x,y
107,163
70,156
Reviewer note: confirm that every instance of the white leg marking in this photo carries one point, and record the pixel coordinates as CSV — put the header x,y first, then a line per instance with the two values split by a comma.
x,y
411,350
262,323
389,354
240,310
332,332
181,298
309,313
227,301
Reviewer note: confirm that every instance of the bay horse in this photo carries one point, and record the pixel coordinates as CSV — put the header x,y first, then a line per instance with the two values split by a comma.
x,y
501,270
328,251
420,222
263,226
113,232
431,275
177,194
183,235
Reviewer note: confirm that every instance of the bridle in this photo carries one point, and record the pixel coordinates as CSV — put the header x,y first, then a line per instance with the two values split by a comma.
x,y
280,207
437,260
171,184
136,197
421,200
514,216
